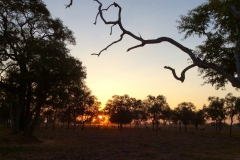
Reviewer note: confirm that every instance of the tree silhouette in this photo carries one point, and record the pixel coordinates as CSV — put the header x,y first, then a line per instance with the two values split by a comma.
x,y
215,111
167,115
139,112
232,108
185,113
119,108
156,106
198,118
34,60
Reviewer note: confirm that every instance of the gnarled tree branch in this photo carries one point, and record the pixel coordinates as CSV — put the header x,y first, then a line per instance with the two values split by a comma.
x,y
196,61
182,78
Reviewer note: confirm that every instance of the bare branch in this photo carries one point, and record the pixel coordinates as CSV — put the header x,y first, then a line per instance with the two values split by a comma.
x,y
140,45
111,29
96,19
69,5
182,78
140,36
196,61
100,10
108,7
121,37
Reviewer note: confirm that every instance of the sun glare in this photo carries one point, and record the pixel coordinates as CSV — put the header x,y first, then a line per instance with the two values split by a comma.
x,y
100,117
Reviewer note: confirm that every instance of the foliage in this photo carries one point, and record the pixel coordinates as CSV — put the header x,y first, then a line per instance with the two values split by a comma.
x,y
156,106
184,113
119,109
215,110
198,118
215,22
232,108
36,68
139,112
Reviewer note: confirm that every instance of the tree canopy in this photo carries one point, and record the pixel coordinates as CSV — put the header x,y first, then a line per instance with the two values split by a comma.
x,y
119,108
35,64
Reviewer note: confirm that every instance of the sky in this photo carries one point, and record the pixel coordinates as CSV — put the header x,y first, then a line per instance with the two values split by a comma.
x,y
140,72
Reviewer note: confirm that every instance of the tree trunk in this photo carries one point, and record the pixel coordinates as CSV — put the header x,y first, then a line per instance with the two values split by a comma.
x,y
15,115
196,126
4,123
185,128
231,125
157,126
22,118
30,128
38,124
83,122
54,121
25,118
74,123
46,127
153,125
68,123
180,126
120,126
8,123
219,126
231,118
216,126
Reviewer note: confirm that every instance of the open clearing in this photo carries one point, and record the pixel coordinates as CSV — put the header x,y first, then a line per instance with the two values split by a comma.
x,y
110,143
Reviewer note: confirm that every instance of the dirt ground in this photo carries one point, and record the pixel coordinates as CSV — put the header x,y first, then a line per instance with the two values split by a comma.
x,y
112,144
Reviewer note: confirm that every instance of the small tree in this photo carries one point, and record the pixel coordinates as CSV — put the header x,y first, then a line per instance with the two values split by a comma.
x,y
139,112
232,108
156,106
216,111
198,118
185,113
120,110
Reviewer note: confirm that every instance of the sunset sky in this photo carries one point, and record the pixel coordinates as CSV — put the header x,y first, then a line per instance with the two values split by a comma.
x,y
139,72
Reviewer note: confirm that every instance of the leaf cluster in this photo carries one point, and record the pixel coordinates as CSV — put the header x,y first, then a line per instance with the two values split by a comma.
x,y
214,22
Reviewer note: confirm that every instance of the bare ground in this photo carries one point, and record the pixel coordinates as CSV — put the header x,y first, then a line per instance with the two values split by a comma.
x,y
112,144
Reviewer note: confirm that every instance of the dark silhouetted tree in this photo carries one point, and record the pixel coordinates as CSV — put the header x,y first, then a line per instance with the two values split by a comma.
x,y
216,111
232,108
167,116
119,108
28,31
198,118
185,113
139,112
156,106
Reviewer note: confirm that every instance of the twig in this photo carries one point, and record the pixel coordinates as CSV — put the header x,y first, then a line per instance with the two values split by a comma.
x,y
69,5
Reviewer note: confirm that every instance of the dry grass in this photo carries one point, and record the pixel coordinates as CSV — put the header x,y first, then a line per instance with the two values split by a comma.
x,y
109,143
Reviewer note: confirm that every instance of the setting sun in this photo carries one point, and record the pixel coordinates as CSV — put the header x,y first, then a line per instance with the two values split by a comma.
x,y
100,117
